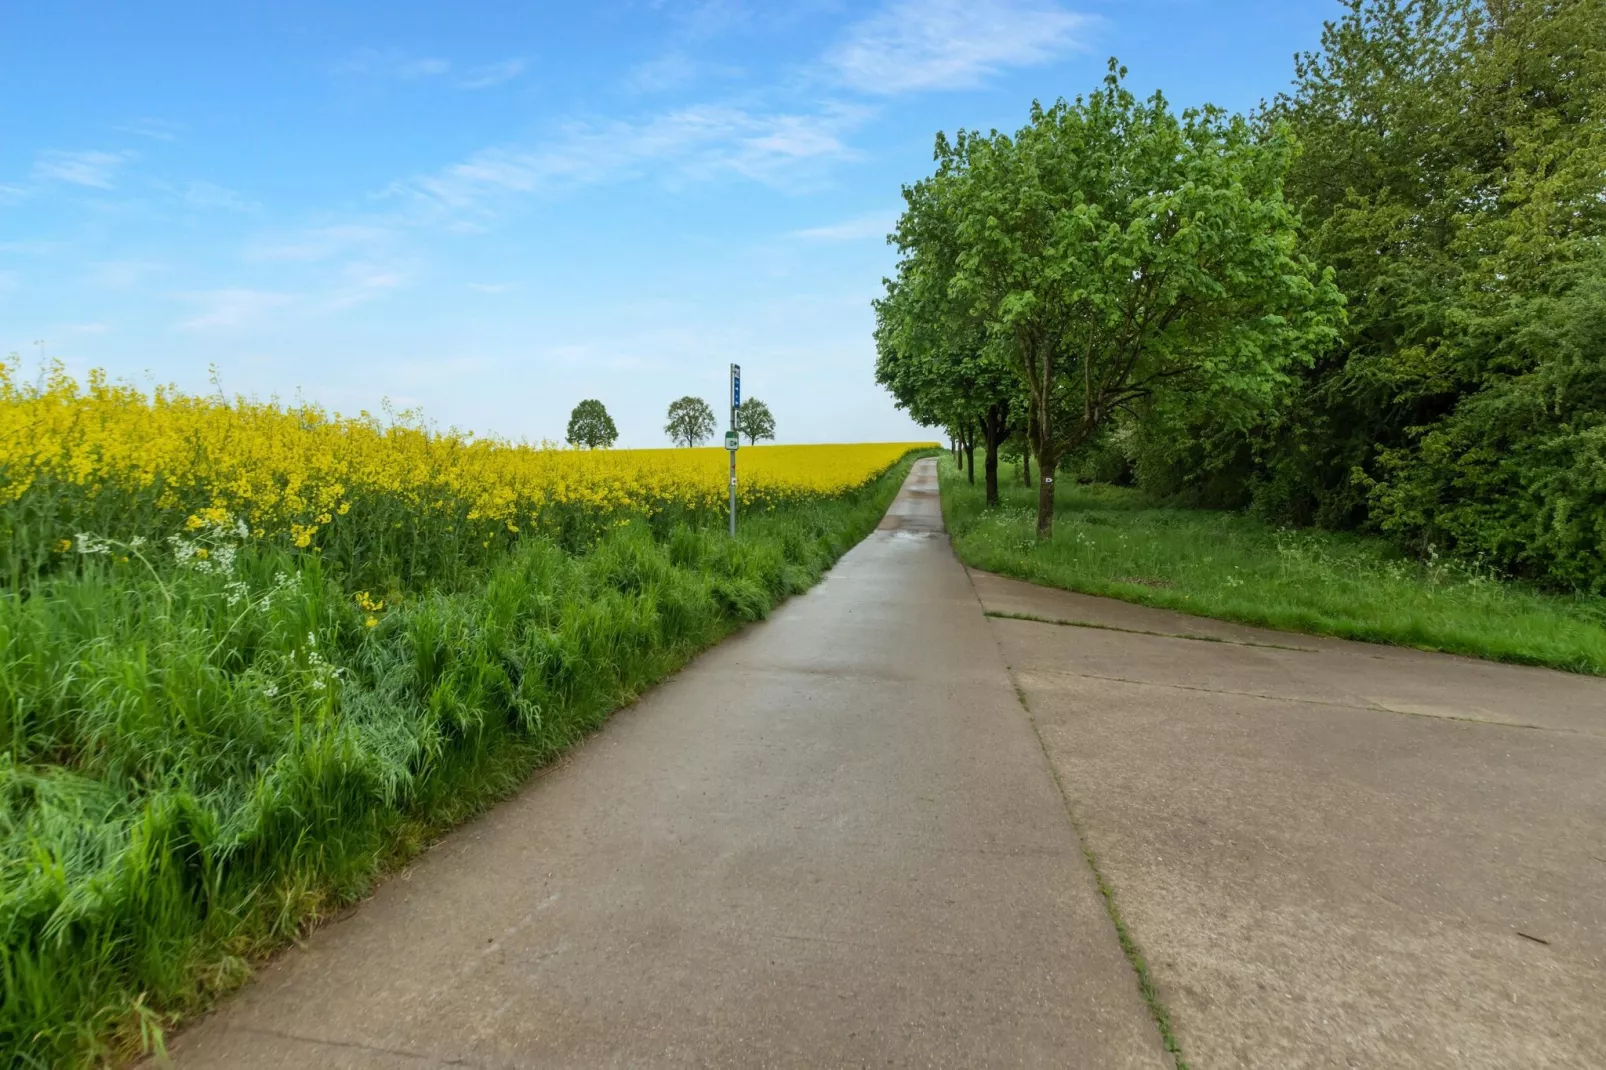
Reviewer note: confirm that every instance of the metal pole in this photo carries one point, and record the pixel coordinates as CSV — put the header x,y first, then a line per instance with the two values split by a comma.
x,y
732,398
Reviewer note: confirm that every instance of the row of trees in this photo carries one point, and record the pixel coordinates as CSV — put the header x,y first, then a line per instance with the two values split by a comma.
x,y
1379,302
691,423
1111,258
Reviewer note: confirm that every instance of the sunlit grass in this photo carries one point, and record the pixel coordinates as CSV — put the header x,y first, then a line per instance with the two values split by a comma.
x,y
1113,541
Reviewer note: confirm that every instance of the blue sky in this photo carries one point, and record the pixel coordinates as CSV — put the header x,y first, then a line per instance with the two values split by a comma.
x,y
493,210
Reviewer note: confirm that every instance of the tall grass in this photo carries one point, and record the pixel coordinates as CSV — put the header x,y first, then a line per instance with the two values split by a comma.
x,y
1113,541
198,761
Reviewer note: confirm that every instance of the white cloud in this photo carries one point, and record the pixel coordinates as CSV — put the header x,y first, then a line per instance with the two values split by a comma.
x,y
947,44
697,142
492,74
210,195
235,307
392,63
666,72
155,129
122,274
873,225
361,281
91,168
320,243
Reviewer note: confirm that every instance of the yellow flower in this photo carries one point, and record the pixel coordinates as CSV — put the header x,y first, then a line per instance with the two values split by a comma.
x,y
63,546
370,622
250,469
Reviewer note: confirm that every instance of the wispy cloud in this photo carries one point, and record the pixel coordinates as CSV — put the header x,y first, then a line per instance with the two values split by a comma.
x,y
230,308
392,63
859,228
155,129
122,274
319,243
700,142
492,74
92,168
362,281
948,44
488,287
665,72
211,195
30,248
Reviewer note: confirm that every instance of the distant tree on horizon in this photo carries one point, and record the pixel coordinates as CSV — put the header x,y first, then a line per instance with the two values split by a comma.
x,y
754,419
591,426
690,421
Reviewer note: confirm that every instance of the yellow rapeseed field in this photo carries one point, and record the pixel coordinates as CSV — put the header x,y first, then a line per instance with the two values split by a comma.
x,y
121,463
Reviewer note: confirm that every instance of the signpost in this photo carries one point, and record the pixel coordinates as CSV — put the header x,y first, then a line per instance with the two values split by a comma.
x,y
733,438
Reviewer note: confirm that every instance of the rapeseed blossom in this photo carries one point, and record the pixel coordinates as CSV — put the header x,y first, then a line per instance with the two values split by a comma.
x,y
107,459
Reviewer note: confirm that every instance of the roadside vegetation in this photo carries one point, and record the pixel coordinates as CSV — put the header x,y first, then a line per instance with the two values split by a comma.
x,y
251,658
1121,543
1376,305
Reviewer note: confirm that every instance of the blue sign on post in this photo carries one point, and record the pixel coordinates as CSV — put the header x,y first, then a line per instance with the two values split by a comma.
x,y
732,440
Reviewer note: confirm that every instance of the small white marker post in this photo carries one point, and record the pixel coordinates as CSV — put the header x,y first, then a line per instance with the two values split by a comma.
x,y
733,438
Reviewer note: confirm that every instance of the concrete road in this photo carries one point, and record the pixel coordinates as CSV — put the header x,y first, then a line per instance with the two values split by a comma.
x,y
1332,854
835,840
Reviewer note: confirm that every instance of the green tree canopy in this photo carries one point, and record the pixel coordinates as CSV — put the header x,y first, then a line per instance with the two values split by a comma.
x,y
591,426
754,419
931,354
1453,171
1112,251
691,421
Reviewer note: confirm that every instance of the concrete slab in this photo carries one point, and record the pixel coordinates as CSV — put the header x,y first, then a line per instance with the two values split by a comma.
x,y
833,840
1351,856
1287,665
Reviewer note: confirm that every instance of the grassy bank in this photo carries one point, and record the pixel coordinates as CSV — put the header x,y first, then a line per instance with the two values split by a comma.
x,y
1112,541
199,762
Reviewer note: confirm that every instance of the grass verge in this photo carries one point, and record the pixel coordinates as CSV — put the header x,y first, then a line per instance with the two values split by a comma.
x,y
199,764
1115,542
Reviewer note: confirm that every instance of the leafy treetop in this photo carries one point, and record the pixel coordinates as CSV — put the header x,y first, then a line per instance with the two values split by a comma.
x,y
691,421
591,426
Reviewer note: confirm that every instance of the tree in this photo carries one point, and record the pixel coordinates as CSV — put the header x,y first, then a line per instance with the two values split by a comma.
x,y
754,419
1114,252
690,421
932,352
591,426
1452,171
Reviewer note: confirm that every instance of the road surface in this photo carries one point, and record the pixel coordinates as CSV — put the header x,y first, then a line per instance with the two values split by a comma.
x,y
834,840
864,832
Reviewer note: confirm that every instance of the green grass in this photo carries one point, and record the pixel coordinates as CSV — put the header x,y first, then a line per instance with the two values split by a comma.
x,y
198,763
1115,542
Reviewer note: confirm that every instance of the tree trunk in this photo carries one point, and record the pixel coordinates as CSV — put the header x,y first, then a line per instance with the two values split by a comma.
x,y
1026,466
970,459
994,427
1045,499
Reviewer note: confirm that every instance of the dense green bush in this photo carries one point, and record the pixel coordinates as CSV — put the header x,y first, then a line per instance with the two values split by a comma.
x,y
1453,171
